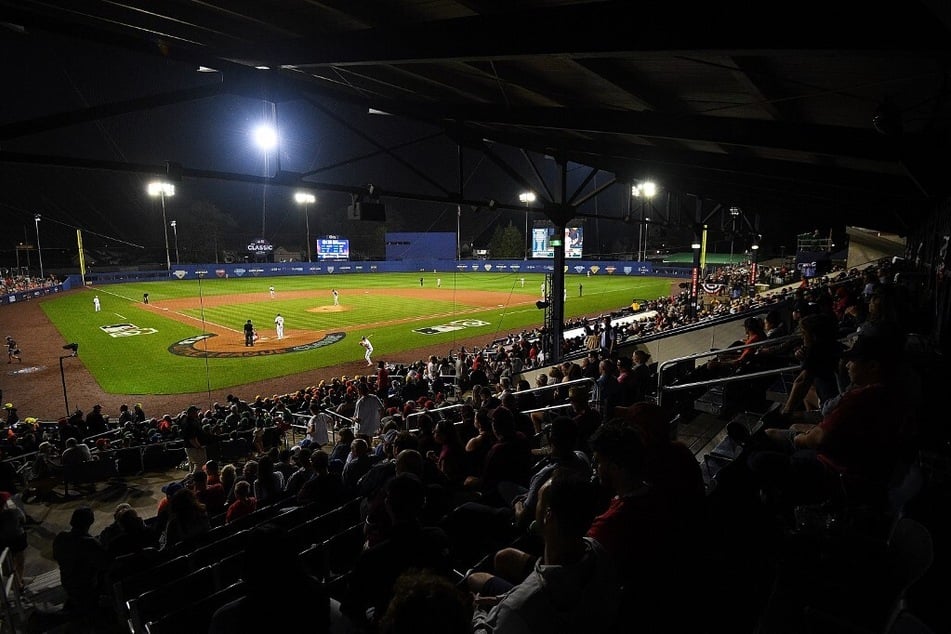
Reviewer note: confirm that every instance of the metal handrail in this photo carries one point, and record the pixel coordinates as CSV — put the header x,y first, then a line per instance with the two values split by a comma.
x,y
424,412
342,422
661,388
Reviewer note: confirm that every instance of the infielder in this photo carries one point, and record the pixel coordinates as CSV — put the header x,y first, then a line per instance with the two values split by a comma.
x,y
95,303
365,342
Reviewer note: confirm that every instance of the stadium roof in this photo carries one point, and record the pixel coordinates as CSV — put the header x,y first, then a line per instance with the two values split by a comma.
x,y
832,112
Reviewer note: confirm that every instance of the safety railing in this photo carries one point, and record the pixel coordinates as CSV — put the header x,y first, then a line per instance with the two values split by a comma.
x,y
340,422
10,594
733,378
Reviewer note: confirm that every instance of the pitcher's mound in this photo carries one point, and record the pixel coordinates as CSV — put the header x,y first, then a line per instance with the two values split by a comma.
x,y
327,309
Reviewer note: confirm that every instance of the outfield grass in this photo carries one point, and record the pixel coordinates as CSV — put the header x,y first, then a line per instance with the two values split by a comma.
x,y
142,364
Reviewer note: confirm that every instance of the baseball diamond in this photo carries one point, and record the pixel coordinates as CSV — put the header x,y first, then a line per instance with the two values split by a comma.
x,y
187,342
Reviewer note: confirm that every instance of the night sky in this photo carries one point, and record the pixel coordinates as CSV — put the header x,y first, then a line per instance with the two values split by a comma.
x,y
118,217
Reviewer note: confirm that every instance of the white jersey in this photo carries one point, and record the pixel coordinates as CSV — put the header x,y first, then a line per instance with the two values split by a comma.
x,y
318,428
368,411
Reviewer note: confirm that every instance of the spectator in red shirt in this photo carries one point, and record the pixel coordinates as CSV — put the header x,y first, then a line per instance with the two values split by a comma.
x,y
244,504
638,528
211,495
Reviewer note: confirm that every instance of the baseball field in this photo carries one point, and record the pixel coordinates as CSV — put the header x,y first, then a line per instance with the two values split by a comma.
x,y
189,336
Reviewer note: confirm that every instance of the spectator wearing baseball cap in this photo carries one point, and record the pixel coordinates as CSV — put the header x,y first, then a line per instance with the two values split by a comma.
x,y
12,417
161,510
861,437
96,422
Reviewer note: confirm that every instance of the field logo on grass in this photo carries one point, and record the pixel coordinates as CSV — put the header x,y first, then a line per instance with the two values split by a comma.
x,y
191,347
180,274
126,330
458,324
240,272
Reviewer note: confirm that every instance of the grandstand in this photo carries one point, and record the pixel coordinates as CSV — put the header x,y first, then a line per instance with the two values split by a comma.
x,y
138,462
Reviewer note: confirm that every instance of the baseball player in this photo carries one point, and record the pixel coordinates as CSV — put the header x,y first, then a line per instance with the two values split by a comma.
x,y
365,342
279,326
13,351
95,303
336,297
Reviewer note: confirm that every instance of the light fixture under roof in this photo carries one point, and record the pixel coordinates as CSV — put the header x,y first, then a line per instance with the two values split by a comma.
x,y
206,69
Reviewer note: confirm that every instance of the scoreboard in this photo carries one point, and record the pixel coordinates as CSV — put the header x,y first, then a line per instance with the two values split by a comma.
x,y
333,249
543,242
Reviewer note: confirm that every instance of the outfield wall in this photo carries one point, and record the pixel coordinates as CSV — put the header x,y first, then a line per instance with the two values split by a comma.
x,y
23,296
425,266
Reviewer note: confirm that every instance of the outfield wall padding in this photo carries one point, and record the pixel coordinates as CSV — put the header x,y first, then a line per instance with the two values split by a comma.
x,y
423,267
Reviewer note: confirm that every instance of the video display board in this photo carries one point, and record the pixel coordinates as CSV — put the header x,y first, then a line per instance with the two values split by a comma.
x,y
542,247
332,249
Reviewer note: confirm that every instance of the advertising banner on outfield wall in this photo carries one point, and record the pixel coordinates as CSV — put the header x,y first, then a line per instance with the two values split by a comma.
x,y
509,267
22,296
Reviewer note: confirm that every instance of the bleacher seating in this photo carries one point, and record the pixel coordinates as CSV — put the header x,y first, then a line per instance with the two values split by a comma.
x,y
195,616
131,586
329,543
160,599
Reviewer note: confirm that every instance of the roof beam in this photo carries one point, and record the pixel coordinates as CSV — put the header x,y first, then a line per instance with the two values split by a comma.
x,y
811,139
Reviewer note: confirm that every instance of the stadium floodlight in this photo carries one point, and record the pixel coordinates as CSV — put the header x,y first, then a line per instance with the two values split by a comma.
x,y
174,225
306,199
39,250
527,198
265,137
163,190
644,190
